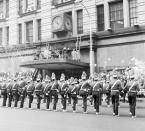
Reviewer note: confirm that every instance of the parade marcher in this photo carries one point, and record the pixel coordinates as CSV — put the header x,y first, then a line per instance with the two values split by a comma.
x,y
84,90
96,91
9,93
54,90
107,92
22,91
47,92
38,91
63,87
132,87
74,92
68,92
115,88
4,91
15,93
30,90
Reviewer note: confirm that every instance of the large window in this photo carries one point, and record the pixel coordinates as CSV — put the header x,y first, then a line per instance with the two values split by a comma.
x,y
116,15
20,33
80,21
38,4
133,12
1,33
7,8
1,8
7,35
20,6
100,17
39,29
29,31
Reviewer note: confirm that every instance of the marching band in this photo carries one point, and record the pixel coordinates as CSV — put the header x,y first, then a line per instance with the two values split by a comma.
x,y
50,90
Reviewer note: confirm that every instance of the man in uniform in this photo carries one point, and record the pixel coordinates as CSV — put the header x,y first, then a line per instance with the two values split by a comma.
x,y
9,92
132,87
74,92
84,90
96,90
15,94
54,90
22,91
38,91
30,90
47,91
4,91
63,87
115,88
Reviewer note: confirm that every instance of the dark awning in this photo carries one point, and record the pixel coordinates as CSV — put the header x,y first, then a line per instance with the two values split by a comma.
x,y
55,64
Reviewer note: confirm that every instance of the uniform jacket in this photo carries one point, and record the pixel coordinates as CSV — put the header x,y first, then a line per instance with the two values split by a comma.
x,y
117,86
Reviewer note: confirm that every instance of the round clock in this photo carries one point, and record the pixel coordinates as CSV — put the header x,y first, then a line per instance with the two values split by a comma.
x,y
68,23
57,23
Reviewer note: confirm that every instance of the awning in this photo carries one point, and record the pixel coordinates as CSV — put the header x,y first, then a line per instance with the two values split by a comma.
x,y
55,64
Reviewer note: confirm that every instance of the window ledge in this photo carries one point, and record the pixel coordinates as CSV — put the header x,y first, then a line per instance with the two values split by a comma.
x,y
63,4
28,13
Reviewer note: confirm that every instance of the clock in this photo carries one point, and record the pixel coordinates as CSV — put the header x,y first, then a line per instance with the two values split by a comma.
x,y
68,23
57,23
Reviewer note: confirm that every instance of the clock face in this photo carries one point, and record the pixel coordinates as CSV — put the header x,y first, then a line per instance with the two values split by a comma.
x,y
68,23
57,23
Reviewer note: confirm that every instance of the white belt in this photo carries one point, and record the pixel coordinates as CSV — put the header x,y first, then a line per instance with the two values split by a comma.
x,y
115,90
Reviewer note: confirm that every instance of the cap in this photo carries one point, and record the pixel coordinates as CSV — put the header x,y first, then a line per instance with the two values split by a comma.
x,y
114,76
53,77
132,77
84,75
62,78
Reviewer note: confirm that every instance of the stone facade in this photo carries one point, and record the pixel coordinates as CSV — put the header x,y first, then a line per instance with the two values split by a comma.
x,y
112,48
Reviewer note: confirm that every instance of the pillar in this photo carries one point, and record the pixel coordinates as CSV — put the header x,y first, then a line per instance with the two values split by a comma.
x,y
106,15
126,13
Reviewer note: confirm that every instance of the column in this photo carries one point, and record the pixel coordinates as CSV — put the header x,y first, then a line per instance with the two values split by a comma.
x,y
35,31
106,15
35,4
126,13
74,21
4,36
24,6
4,8
23,33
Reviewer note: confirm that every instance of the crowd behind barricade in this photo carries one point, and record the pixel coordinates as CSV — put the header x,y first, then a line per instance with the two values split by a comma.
x,y
114,85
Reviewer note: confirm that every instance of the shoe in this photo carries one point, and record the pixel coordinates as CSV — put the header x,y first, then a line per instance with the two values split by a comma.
x,y
108,106
118,115
64,110
133,117
113,114
97,113
85,112
94,110
55,110
74,111
130,113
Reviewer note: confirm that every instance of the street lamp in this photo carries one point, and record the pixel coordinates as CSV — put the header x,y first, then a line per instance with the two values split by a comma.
x,y
92,69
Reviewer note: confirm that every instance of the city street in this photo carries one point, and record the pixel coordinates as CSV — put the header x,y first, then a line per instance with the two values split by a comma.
x,y
13,119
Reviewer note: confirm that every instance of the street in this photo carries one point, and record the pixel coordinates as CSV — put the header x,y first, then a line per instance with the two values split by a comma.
x,y
13,119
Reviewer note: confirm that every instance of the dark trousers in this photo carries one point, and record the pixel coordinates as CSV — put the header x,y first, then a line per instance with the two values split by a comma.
x,y
84,103
108,98
16,99
124,95
4,99
63,101
132,104
48,100
30,97
39,98
69,98
10,97
115,103
96,102
22,101
75,100
55,101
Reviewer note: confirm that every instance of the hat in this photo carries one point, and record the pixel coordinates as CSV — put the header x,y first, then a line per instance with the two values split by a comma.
x,y
95,76
75,81
53,77
132,77
115,76
62,78
47,79
84,75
